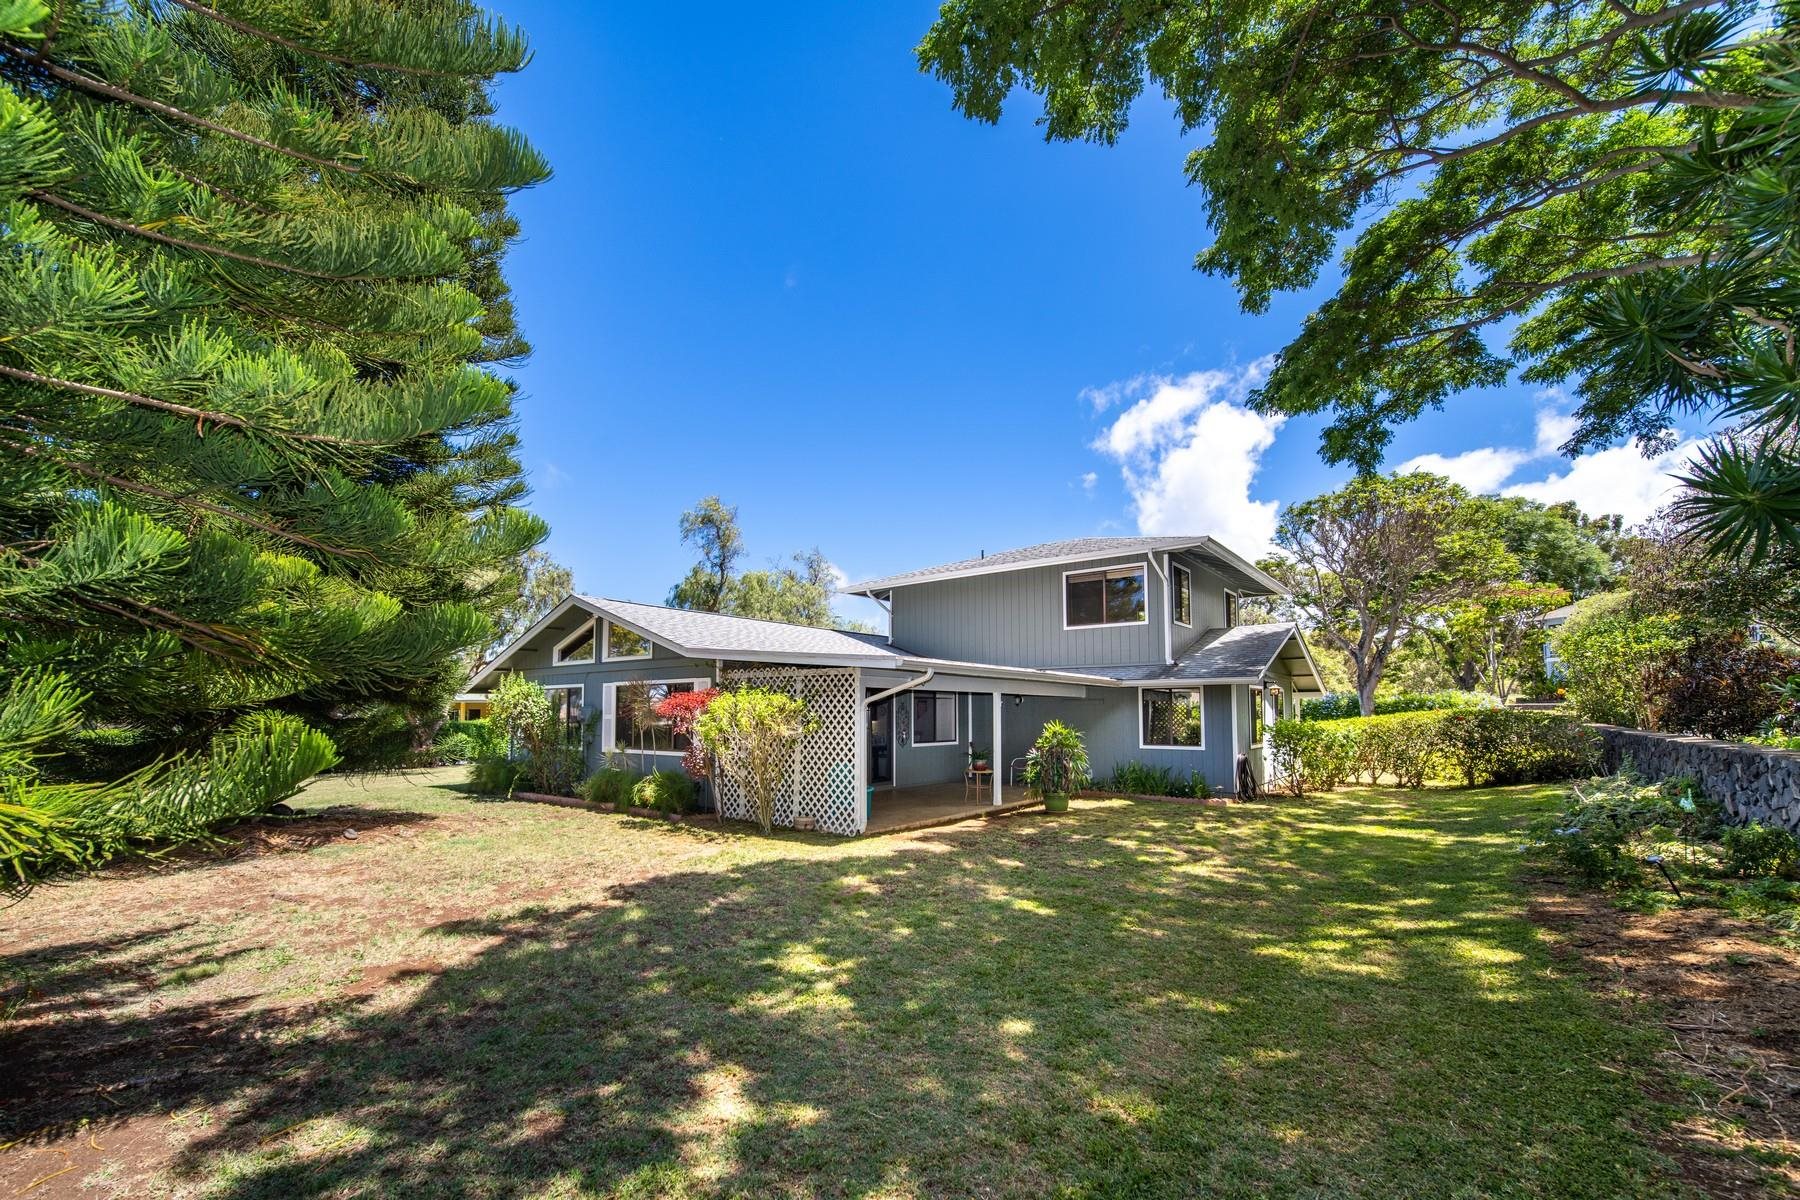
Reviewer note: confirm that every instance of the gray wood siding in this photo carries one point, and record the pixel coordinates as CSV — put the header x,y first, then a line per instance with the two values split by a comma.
x,y
1108,720
1209,605
1015,618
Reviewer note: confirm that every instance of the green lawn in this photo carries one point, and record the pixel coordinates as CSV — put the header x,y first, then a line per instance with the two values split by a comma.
x,y
1330,997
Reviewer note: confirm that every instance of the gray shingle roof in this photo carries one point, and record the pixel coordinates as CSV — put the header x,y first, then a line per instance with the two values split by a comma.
x,y
1237,654
1069,550
715,635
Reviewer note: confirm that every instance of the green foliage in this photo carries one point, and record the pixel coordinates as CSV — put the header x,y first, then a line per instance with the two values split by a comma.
x,y
751,733
1605,647
1335,706
494,775
548,761
1145,779
1057,762
1610,183
48,826
1506,746
1381,558
482,736
670,792
1469,746
798,592
1719,685
250,460
609,785
1760,850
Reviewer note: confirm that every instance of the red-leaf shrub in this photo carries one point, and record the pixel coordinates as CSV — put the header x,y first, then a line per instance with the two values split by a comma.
x,y
1719,685
680,709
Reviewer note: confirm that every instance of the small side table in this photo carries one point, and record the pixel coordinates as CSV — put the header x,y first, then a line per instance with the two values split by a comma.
x,y
978,781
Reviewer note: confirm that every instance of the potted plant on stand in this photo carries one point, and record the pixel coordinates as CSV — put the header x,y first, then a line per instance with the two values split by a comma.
x,y
1057,765
978,758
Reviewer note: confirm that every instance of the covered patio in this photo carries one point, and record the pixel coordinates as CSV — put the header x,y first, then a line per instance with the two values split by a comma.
x,y
895,810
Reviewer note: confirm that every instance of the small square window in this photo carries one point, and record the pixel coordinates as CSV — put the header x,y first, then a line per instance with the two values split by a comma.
x,y
934,718
1173,718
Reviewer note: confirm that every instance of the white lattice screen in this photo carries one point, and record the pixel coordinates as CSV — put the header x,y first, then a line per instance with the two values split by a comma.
x,y
822,783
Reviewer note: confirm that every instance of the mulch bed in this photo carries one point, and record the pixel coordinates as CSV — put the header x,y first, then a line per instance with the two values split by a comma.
x,y
1731,1006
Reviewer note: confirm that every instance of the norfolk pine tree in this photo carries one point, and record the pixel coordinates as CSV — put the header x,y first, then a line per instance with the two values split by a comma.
x,y
253,476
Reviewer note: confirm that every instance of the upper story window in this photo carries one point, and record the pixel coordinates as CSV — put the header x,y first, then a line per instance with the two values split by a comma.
x,y
1182,580
934,718
622,643
1231,609
1114,596
579,648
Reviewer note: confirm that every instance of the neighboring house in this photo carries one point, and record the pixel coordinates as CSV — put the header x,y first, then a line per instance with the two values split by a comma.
x,y
1554,670
1134,641
468,706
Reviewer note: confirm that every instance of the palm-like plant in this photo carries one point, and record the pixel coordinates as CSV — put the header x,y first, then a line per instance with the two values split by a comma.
x,y
1057,763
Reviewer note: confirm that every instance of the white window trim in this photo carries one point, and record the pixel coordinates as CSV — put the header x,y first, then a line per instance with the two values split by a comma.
x,y
557,658
1273,695
1231,596
609,714
1175,594
1143,568
603,639
1143,745
955,712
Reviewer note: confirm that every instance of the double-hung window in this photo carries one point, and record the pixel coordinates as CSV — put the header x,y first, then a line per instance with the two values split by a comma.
x,y
1171,717
934,718
1114,596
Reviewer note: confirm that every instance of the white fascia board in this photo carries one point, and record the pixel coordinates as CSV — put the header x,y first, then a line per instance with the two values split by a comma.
x,y
1112,559
482,677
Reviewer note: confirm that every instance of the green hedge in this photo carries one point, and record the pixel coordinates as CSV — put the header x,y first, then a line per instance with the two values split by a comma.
x,y
1467,746
1339,706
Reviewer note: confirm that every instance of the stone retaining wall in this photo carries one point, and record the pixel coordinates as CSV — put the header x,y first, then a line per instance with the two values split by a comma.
x,y
1754,783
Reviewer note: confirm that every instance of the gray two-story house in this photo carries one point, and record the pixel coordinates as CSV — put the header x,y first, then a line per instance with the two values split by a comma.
x,y
1134,641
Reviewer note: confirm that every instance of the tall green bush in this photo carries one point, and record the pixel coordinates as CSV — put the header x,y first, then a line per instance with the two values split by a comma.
x,y
751,733
1605,647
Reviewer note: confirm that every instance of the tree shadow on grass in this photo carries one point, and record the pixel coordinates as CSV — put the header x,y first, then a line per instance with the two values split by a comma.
x,y
1337,997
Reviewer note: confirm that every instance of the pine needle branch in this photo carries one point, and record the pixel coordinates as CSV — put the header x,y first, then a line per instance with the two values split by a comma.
x,y
300,48
201,416
198,247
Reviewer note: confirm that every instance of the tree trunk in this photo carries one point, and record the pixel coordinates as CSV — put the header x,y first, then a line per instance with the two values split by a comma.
x,y
1365,692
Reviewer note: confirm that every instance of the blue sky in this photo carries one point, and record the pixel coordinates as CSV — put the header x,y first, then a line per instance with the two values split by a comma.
x,y
774,265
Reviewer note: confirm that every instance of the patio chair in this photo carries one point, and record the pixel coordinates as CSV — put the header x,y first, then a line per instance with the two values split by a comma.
x,y
1016,769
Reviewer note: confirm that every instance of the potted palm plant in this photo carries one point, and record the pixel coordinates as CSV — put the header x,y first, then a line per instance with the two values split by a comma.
x,y
1057,765
978,758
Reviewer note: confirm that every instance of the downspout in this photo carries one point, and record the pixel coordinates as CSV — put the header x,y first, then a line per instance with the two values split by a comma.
x,y
908,686
1162,573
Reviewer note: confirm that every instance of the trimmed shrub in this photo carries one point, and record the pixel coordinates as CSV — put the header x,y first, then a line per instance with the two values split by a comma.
x,y
665,791
1470,746
1504,746
482,736
494,775
1605,645
1755,850
608,785
1339,706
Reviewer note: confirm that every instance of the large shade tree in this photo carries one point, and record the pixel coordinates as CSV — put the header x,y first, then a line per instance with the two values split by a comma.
x,y
1384,557
1609,186
250,460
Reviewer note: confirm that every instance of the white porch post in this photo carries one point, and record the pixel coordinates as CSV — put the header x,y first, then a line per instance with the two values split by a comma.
x,y
997,756
862,751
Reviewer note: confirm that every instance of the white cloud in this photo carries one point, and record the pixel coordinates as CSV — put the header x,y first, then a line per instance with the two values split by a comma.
x,y
1089,480
1188,450
1480,470
1616,480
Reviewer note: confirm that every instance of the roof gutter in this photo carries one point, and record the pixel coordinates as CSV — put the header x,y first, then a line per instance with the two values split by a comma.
x,y
908,686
